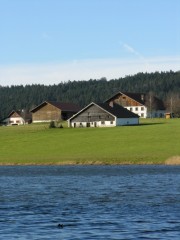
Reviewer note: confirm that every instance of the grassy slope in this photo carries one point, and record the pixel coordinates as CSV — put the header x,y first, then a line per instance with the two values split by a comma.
x,y
152,142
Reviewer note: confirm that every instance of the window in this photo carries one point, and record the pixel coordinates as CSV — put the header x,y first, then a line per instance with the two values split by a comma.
x,y
102,122
111,122
142,108
136,109
142,114
131,109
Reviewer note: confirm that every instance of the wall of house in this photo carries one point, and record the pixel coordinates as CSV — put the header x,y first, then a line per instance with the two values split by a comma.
x,y
127,121
46,113
141,111
115,122
156,114
92,124
14,121
93,114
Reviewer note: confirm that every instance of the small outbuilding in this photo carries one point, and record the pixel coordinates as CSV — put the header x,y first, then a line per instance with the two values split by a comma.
x,y
53,111
103,115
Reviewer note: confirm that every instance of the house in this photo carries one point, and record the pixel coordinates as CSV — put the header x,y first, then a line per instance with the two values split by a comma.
x,y
53,111
17,118
145,105
103,115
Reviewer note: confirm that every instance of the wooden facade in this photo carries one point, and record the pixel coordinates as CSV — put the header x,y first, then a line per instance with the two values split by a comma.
x,y
125,100
53,111
46,113
94,114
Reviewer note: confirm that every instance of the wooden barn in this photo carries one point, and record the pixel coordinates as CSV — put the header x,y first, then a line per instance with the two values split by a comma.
x,y
18,118
139,103
103,115
53,111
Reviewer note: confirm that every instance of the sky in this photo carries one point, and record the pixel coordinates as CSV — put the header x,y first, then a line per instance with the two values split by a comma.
x,y
53,41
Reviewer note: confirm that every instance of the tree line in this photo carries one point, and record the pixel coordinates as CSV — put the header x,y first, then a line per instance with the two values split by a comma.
x,y
164,85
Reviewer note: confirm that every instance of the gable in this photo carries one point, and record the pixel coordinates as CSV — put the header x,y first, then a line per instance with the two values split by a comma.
x,y
46,112
66,107
48,108
102,112
93,113
14,115
127,100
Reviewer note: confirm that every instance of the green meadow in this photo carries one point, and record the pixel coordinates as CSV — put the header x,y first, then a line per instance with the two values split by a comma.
x,y
152,142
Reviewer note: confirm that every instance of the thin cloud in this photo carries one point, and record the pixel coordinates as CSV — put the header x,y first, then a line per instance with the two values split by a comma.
x,y
55,73
130,49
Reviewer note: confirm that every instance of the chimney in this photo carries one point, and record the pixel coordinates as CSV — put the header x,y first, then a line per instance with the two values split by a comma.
x,y
111,104
142,97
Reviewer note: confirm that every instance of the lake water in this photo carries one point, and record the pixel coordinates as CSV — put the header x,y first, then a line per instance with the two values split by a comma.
x,y
91,202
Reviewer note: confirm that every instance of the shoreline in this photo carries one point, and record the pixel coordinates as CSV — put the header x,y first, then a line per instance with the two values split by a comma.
x,y
88,164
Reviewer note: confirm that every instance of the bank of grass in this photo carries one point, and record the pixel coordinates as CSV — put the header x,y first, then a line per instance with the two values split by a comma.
x,y
152,142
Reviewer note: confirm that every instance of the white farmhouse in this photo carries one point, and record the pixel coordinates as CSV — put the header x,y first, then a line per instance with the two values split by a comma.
x,y
142,104
17,118
103,115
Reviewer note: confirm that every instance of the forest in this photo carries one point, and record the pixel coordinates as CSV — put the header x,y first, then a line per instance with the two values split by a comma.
x,y
164,85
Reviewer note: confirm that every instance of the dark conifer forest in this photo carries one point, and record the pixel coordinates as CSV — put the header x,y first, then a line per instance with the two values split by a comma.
x,y
165,85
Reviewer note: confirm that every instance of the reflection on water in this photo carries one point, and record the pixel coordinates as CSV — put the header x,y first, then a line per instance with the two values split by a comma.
x,y
91,202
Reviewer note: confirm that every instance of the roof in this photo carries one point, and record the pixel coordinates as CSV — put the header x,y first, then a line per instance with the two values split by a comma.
x,y
23,114
117,110
68,107
140,98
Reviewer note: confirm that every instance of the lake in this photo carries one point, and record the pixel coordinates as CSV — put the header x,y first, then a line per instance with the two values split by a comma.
x,y
90,202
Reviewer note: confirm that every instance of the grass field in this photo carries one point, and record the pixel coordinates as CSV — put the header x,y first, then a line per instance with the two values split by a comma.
x,y
152,142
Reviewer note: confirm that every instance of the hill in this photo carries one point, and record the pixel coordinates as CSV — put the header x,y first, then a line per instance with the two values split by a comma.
x,y
165,85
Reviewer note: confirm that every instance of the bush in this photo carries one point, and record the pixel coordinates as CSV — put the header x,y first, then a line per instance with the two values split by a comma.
x,y
52,124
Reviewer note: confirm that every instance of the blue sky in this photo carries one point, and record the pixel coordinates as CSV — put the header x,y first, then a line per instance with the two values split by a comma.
x,y
50,41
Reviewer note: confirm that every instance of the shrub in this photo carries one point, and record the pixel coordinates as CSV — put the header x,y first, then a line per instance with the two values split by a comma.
x,y
52,124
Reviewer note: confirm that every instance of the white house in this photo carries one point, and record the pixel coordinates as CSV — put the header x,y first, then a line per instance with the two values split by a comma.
x,y
17,118
103,115
142,104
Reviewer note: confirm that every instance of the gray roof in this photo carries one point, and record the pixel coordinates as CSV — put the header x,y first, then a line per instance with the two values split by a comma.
x,y
118,111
